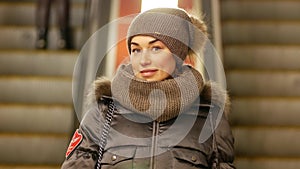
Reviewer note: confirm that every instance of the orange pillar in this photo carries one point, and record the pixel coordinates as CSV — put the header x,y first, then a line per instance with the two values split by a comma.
x,y
185,4
126,8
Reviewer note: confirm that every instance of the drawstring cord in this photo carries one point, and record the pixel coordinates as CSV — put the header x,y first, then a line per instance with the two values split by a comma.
x,y
104,134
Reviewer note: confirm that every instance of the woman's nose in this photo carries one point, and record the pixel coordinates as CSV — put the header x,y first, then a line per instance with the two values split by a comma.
x,y
145,58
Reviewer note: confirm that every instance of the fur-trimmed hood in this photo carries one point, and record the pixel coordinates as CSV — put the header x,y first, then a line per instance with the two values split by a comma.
x,y
219,96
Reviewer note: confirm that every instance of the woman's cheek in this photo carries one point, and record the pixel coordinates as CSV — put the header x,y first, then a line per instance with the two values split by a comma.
x,y
135,65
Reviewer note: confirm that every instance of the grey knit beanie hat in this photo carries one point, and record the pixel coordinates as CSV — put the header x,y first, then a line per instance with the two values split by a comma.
x,y
172,26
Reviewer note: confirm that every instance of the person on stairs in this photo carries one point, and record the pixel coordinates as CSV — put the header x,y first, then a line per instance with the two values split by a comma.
x,y
43,11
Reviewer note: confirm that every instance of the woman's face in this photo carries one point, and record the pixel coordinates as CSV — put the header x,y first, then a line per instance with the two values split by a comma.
x,y
151,59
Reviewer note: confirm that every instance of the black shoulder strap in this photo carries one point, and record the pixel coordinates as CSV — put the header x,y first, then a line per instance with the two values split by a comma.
x,y
105,131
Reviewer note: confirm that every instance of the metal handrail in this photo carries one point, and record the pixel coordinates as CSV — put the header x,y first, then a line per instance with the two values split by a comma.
x,y
96,15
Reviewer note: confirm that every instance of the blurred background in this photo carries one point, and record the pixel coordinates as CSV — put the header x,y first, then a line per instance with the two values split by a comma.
x,y
258,42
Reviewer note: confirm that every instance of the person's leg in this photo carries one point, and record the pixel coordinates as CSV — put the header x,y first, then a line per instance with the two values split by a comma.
x,y
63,19
42,22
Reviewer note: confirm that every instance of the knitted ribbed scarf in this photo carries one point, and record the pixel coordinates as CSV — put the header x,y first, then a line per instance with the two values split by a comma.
x,y
159,100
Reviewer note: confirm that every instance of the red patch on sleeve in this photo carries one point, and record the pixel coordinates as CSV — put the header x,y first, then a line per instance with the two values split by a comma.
x,y
76,140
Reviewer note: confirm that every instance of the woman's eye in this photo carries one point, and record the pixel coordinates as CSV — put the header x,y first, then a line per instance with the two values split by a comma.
x,y
135,50
156,48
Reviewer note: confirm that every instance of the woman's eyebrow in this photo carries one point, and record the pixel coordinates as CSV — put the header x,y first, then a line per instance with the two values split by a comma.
x,y
137,44
153,41
134,43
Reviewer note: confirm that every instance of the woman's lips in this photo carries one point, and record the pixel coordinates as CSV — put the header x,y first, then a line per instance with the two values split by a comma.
x,y
148,72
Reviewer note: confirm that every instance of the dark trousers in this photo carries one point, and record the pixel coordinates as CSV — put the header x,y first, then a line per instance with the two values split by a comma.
x,y
62,12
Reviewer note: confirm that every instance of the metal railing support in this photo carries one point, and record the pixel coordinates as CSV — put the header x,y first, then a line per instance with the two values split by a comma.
x,y
96,15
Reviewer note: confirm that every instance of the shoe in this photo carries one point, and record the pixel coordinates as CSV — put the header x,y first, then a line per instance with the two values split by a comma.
x,y
41,42
65,39
61,44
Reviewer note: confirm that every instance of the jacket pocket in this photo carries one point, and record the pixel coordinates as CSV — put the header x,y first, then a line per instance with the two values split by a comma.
x,y
118,157
188,159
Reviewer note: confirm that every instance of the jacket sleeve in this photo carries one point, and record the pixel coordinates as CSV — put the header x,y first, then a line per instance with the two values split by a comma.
x,y
83,155
83,149
225,144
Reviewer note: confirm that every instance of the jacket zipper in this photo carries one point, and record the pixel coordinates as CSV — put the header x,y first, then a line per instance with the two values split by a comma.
x,y
154,144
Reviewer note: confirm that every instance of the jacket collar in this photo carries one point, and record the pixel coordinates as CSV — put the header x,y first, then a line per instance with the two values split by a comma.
x,y
212,94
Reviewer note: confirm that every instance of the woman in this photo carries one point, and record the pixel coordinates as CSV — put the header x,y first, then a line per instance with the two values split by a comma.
x,y
161,107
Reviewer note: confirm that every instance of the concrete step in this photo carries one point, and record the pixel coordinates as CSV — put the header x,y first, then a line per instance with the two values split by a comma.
x,y
37,62
36,118
262,57
36,90
267,163
267,141
260,9
261,32
265,111
23,13
263,83
32,149
24,37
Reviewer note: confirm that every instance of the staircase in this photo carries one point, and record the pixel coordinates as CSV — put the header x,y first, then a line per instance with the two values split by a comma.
x,y
262,64
36,109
